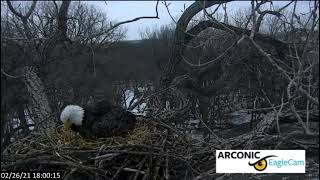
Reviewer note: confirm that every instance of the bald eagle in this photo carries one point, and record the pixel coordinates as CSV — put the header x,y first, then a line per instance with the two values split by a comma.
x,y
98,120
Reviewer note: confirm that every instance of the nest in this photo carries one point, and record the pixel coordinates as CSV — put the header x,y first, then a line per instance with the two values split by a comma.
x,y
150,151
69,139
153,150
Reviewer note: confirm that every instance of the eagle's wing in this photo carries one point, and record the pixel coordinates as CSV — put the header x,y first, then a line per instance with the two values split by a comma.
x,y
115,123
100,108
104,129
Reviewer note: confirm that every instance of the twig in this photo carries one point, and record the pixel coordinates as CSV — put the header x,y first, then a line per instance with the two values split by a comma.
x,y
11,76
132,20
134,170
277,116
119,170
299,88
139,168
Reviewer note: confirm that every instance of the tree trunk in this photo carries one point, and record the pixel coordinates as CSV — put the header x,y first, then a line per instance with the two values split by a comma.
x,y
62,20
41,110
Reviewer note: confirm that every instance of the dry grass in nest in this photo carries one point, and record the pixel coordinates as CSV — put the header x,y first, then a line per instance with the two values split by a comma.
x,y
72,140
142,154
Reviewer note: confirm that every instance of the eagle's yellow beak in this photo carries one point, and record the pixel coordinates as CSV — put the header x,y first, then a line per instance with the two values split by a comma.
x,y
67,125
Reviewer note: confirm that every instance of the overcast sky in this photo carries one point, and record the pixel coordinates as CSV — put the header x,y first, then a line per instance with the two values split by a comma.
x,y
125,10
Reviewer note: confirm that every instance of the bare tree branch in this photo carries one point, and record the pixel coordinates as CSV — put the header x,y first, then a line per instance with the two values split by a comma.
x,y
133,20
26,16
10,76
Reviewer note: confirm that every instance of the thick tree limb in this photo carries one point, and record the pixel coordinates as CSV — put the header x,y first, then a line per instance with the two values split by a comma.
x,y
179,37
26,16
222,26
62,20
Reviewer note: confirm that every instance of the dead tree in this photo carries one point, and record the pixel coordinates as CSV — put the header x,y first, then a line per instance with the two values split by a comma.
x,y
39,100
284,52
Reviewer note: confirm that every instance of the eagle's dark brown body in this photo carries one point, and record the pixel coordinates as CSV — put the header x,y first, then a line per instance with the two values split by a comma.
x,y
103,119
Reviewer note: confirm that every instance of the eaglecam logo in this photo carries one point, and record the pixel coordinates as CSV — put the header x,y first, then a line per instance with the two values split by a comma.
x,y
260,161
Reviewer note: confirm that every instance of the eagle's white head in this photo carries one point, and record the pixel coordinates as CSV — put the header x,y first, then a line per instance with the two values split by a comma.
x,y
72,114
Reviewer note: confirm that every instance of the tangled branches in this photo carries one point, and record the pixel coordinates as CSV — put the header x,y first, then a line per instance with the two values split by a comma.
x,y
156,149
161,154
